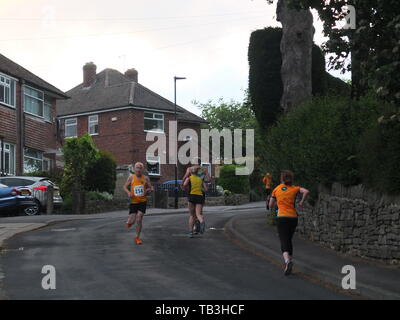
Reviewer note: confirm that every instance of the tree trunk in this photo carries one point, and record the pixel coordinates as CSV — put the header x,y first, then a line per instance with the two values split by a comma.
x,y
296,49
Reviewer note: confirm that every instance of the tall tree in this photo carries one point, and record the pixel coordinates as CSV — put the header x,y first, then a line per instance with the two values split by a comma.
x,y
296,49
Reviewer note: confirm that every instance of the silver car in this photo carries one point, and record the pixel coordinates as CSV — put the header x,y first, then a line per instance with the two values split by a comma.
x,y
39,186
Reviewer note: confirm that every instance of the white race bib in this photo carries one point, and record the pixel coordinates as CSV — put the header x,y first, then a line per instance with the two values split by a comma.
x,y
139,191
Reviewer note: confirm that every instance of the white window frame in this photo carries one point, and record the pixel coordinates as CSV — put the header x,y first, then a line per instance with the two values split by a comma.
x,y
13,94
148,160
92,123
154,118
49,163
11,155
33,158
49,105
36,98
70,125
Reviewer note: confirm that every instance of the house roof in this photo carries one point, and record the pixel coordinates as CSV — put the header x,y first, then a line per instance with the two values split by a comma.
x,y
15,70
111,90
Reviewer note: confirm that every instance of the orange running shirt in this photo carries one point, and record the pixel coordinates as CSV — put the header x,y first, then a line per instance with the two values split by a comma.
x,y
285,197
138,189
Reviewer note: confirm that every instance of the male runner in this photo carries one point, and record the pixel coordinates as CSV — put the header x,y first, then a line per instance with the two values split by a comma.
x,y
140,186
267,181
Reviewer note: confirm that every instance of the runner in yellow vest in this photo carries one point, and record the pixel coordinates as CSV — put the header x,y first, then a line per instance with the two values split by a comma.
x,y
197,188
140,186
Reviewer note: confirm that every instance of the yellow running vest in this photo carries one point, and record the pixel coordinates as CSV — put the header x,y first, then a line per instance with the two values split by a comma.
x,y
196,185
138,189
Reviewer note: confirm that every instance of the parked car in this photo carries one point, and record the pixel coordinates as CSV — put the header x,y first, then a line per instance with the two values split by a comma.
x,y
39,186
17,200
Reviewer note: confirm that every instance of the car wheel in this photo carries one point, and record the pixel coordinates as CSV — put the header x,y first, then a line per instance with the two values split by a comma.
x,y
32,211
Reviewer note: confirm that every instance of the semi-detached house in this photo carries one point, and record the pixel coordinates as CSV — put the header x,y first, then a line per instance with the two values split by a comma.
x,y
118,112
28,127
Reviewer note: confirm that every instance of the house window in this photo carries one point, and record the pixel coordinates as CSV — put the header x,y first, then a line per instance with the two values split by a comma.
x,y
34,101
94,125
47,164
153,122
48,116
207,166
7,90
33,160
7,162
153,165
71,130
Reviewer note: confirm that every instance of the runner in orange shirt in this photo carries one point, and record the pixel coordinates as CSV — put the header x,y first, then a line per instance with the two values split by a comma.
x,y
284,196
267,181
140,186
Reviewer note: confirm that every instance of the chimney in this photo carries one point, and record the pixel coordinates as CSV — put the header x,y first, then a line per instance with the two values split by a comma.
x,y
132,75
89,74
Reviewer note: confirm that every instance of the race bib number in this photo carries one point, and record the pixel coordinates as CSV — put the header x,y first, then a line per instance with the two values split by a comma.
x,y
139,191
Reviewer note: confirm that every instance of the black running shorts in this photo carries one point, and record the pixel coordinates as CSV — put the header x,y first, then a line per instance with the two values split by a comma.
x,y
136,207
196,199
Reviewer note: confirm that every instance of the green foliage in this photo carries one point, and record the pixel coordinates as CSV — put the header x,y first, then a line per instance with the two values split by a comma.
x,y
374,44
232,182
265,83
67,204
319,140
95,195
379,168
101,175
79,155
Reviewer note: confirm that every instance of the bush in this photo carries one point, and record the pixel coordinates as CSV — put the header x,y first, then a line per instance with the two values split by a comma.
x,y
232,182
94,195
319,140
101,175
379,168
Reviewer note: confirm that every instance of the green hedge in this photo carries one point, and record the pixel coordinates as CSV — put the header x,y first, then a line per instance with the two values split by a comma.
x,y
102,175
319,141
380,155
265,82
232,182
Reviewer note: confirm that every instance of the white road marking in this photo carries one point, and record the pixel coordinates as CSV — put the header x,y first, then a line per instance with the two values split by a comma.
x,y
63,230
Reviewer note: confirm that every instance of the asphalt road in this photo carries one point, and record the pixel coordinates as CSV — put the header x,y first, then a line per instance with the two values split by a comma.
x,y
97,259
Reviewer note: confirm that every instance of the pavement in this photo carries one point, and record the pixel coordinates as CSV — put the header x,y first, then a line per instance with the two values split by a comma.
x,y
373,280
97,259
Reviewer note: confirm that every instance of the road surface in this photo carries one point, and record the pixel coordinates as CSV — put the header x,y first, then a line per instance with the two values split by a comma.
x,y
97,259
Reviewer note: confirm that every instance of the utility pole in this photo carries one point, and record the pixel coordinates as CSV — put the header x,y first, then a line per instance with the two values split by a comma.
x,y
176,151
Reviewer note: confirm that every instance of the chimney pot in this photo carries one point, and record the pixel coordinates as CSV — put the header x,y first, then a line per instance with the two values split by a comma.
x,y
132,74
89,74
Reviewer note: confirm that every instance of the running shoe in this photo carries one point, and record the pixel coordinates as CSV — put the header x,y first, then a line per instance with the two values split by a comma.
x,y
288,268
128,225
138,241
190,234
202,227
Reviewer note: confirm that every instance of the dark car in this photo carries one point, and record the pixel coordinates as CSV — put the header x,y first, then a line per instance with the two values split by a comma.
x,y
17,200
38,186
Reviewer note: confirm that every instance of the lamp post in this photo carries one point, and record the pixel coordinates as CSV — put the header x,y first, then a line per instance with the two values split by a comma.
x,y
176,151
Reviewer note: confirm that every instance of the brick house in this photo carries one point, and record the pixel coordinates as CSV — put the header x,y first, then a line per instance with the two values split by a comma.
x,y
28,127
118,112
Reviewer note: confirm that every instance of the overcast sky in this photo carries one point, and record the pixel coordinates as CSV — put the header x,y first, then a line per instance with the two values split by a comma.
x,y
203,40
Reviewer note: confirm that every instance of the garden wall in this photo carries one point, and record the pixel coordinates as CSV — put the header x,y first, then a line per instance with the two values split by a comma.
x,y
356,221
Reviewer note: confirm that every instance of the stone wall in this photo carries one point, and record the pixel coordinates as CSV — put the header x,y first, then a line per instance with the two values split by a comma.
x,y
101,206
355,221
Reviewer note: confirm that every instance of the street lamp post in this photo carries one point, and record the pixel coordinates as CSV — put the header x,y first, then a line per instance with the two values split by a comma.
x,y
176,151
